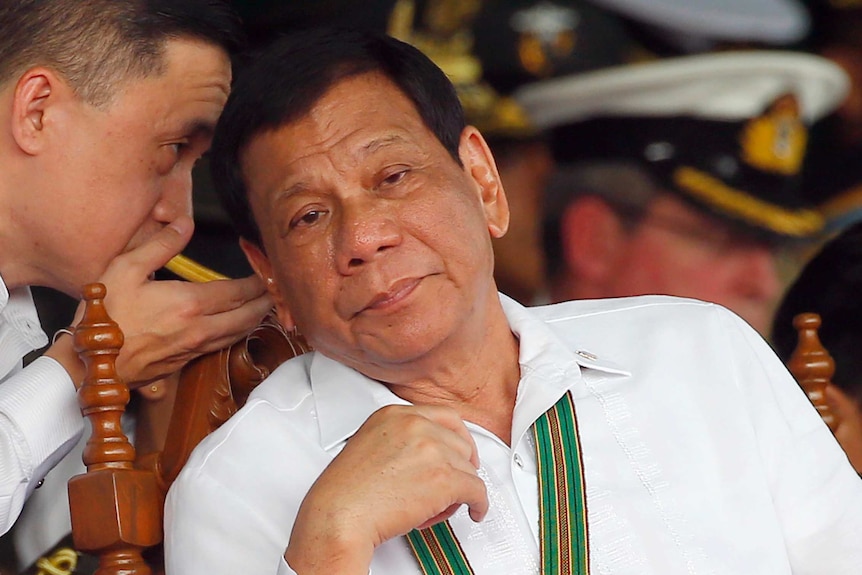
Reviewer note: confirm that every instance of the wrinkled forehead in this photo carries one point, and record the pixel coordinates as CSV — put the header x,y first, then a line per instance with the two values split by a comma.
x,y
358,118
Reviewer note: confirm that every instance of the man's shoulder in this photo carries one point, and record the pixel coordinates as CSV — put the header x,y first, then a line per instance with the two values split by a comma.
x,y
627,323
653,307
261,422
288,385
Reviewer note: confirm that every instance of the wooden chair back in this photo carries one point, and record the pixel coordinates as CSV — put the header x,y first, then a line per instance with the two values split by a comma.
x,y
812,366
117,506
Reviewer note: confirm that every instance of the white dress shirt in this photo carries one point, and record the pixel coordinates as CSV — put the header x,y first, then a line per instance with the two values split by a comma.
x,y
39,415
701,454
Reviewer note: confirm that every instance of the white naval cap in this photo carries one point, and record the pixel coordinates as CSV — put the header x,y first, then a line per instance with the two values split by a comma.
x,y
762,21
727,131
722,85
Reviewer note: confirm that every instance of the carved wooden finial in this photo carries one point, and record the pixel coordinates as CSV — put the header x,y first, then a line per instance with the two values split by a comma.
x,y
114,528
812,366
102,397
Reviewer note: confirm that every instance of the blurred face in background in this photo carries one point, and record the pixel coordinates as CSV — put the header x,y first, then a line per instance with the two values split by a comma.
x,y
670,248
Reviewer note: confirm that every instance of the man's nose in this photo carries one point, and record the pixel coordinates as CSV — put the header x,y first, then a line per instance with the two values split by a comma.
x,y
175,199
366,229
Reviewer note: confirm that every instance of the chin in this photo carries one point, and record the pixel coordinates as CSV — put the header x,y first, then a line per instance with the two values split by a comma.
x,y
87,275
409,345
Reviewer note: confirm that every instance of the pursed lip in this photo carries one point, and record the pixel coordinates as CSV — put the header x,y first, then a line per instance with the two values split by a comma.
x,y
397,293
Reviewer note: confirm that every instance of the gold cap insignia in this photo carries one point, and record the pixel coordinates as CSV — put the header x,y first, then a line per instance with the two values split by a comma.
x,y
775,141
546,33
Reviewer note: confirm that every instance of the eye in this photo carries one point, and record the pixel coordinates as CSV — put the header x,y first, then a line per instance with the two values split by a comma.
x,y
394,178
307,218
173,153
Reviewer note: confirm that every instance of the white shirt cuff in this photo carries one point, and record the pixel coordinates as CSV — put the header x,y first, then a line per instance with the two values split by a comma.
x,y
42,403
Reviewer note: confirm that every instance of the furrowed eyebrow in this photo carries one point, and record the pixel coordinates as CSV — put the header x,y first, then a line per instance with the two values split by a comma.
x,y
366,150
286,193
378,143
198,127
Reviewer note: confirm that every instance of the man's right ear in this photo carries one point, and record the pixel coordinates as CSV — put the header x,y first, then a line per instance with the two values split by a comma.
x,y
592,236
36,91
261,265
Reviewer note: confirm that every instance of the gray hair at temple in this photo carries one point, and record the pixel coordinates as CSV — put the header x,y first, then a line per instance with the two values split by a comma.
x,y
624,185
96,44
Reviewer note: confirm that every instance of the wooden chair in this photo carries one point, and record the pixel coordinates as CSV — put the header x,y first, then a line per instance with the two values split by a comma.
x,y
117,506
812,366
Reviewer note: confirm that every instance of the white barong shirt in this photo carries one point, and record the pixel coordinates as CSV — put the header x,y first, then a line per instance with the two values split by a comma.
x,y
701,454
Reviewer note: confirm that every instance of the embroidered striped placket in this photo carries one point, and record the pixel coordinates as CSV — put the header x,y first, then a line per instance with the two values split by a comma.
x,y
562,505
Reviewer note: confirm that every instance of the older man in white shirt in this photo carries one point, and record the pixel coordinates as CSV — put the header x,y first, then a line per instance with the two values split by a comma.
x,y
645,435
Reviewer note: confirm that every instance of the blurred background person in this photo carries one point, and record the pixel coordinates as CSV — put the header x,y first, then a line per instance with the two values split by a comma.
x,y
681,176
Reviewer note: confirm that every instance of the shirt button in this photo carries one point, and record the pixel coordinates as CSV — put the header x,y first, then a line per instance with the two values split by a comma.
x,y
587,355
518,461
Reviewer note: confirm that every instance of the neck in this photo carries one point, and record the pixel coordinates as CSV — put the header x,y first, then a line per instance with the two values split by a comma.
x,y
9,260
18,251
479,381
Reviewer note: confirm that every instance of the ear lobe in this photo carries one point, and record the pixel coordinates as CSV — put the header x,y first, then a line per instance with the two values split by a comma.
x,y
34,93
261,265
592,235
480,166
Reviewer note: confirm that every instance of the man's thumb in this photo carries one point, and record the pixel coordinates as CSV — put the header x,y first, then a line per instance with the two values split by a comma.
x,y
165,244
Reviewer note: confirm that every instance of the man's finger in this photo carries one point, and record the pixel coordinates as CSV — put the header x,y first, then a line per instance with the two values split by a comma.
x,y
473,493
450,419
227,327
156,251
221,296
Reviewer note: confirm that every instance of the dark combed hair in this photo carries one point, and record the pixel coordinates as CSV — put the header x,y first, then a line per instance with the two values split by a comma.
x,y
829,285
97,44
283,82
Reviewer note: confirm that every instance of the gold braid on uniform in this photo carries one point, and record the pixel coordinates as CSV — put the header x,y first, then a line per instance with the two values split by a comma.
x,y
62,562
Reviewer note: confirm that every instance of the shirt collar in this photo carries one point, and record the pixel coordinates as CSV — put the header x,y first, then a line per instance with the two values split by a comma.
x,y
345,398
549,366
18,311
4,295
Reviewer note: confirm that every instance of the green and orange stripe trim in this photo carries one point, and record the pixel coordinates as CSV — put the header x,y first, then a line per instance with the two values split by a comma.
x,y
562,502
562,505
438,551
